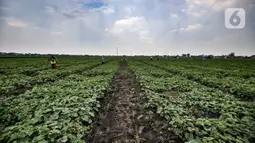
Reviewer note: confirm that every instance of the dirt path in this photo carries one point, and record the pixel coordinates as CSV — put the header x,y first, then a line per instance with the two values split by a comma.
x,y
122,117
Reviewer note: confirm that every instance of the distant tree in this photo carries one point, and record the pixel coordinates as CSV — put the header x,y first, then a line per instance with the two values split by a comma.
x,y
188,55
184,55
231,55
210,56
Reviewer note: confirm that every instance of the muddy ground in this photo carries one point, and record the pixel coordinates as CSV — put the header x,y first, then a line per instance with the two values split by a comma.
x,y
122,117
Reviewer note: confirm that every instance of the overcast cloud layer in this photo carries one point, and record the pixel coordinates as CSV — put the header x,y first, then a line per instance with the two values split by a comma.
x,y
135,26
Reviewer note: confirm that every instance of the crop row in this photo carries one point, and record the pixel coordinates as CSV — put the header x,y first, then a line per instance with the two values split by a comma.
x,y
28,65
56,112
33,71
220,67
13,63
193,111
17,82
237,75
242,88
221,72
224,64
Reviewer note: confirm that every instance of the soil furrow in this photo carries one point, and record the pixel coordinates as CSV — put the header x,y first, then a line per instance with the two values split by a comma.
x,y
123,118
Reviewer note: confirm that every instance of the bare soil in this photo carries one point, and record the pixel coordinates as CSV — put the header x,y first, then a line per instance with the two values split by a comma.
x,y
123,118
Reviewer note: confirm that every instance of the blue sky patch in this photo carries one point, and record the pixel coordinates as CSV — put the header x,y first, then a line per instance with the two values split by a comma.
x,y
94,4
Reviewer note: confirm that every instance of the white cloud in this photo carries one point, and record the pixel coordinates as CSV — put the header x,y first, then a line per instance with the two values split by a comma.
x,y
132,25
198,13
194,9
215,4
193,27
17,23
74,12
5,9
221,4
145,36
199,8
129,9
189,28
107,10
50,9
222,39
57,33
174,15
38,28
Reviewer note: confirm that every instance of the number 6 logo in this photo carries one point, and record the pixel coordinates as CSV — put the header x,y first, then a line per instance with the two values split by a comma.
x,y
234,18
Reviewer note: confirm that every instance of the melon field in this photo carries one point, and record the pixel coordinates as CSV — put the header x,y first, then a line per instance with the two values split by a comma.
x,y
137,100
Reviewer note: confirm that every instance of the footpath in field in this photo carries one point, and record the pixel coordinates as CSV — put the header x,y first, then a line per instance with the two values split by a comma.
x,y
122,117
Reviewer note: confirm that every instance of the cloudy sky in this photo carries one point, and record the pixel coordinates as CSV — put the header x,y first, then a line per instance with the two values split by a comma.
x,y
135,26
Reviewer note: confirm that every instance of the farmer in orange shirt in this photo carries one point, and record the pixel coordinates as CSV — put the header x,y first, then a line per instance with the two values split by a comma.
x,y
53,62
